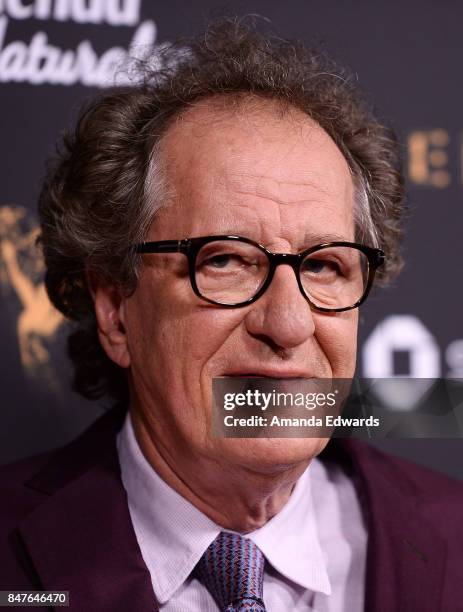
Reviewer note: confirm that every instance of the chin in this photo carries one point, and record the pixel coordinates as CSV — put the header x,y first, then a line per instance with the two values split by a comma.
x,y
272,454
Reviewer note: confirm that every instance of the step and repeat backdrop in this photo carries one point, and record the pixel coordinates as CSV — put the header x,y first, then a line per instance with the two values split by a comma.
x,y
54,54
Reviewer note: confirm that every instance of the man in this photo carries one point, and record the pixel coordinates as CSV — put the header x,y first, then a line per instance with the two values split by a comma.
x,y
160,222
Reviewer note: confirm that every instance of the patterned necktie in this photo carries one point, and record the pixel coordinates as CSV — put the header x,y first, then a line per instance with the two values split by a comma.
x,y
232,569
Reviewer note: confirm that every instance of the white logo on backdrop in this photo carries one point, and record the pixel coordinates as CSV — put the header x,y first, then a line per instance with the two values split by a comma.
x,y
38,61
404,333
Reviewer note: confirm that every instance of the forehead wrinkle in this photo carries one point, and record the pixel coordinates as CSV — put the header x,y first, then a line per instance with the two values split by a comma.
x,y
278,200
270,188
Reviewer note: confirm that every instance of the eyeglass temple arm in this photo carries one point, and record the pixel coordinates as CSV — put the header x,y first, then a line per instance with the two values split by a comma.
x,y
379,257
163,246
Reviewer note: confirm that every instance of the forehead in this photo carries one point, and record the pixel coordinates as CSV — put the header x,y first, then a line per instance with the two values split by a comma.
x,y
254,164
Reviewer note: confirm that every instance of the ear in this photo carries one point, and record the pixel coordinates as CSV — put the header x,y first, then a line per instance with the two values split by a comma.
x,y
110,315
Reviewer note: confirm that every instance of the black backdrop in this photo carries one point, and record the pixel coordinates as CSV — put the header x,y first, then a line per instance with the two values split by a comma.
x,y
407,56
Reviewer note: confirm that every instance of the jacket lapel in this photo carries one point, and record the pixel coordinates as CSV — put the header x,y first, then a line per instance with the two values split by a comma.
x,y
81,538
406,555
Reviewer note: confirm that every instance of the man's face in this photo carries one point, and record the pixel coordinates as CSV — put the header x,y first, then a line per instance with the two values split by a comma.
x,y
280,180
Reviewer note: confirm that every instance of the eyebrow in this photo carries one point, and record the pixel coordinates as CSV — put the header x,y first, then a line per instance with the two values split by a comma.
x,y
316,238
309,239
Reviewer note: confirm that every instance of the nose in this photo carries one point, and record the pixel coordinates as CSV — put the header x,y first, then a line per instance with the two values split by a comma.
x,y
282,317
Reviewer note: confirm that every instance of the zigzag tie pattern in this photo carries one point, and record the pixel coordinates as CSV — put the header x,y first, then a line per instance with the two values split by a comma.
x,y
232,569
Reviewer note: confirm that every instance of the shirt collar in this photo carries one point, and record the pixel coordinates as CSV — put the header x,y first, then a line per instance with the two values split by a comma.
x,y
290,539
173,534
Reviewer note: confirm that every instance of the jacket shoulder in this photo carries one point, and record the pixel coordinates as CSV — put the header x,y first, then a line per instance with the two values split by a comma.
x,y
426,482
17,497
28,484
32,478
438,497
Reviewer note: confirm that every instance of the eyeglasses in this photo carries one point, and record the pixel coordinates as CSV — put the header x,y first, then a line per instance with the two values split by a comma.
x,y
232,271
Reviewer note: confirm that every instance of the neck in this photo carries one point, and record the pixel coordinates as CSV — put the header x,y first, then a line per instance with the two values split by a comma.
x,y
234,497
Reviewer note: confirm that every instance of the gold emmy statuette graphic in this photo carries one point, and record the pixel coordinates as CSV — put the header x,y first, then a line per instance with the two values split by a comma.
x,y
21,268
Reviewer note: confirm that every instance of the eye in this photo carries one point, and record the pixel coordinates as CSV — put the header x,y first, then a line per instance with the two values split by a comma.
x,y
320,266
225,260
218,261
314,265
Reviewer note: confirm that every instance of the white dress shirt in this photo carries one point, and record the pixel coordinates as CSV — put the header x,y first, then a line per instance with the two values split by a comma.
x,y
315,547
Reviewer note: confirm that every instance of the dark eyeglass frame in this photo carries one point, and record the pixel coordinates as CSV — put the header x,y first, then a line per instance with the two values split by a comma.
x,y
191,247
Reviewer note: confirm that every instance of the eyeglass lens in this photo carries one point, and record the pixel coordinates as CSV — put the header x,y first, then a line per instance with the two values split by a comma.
x,y
231,272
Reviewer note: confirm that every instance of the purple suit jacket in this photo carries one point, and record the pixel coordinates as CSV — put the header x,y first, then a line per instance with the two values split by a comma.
x,y
65,525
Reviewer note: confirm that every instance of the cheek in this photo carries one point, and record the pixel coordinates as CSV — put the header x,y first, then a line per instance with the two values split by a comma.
x,y
177,335
205,335
337,336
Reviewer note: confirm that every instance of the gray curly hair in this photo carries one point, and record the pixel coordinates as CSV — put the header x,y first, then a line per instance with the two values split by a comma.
x,y
106,184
